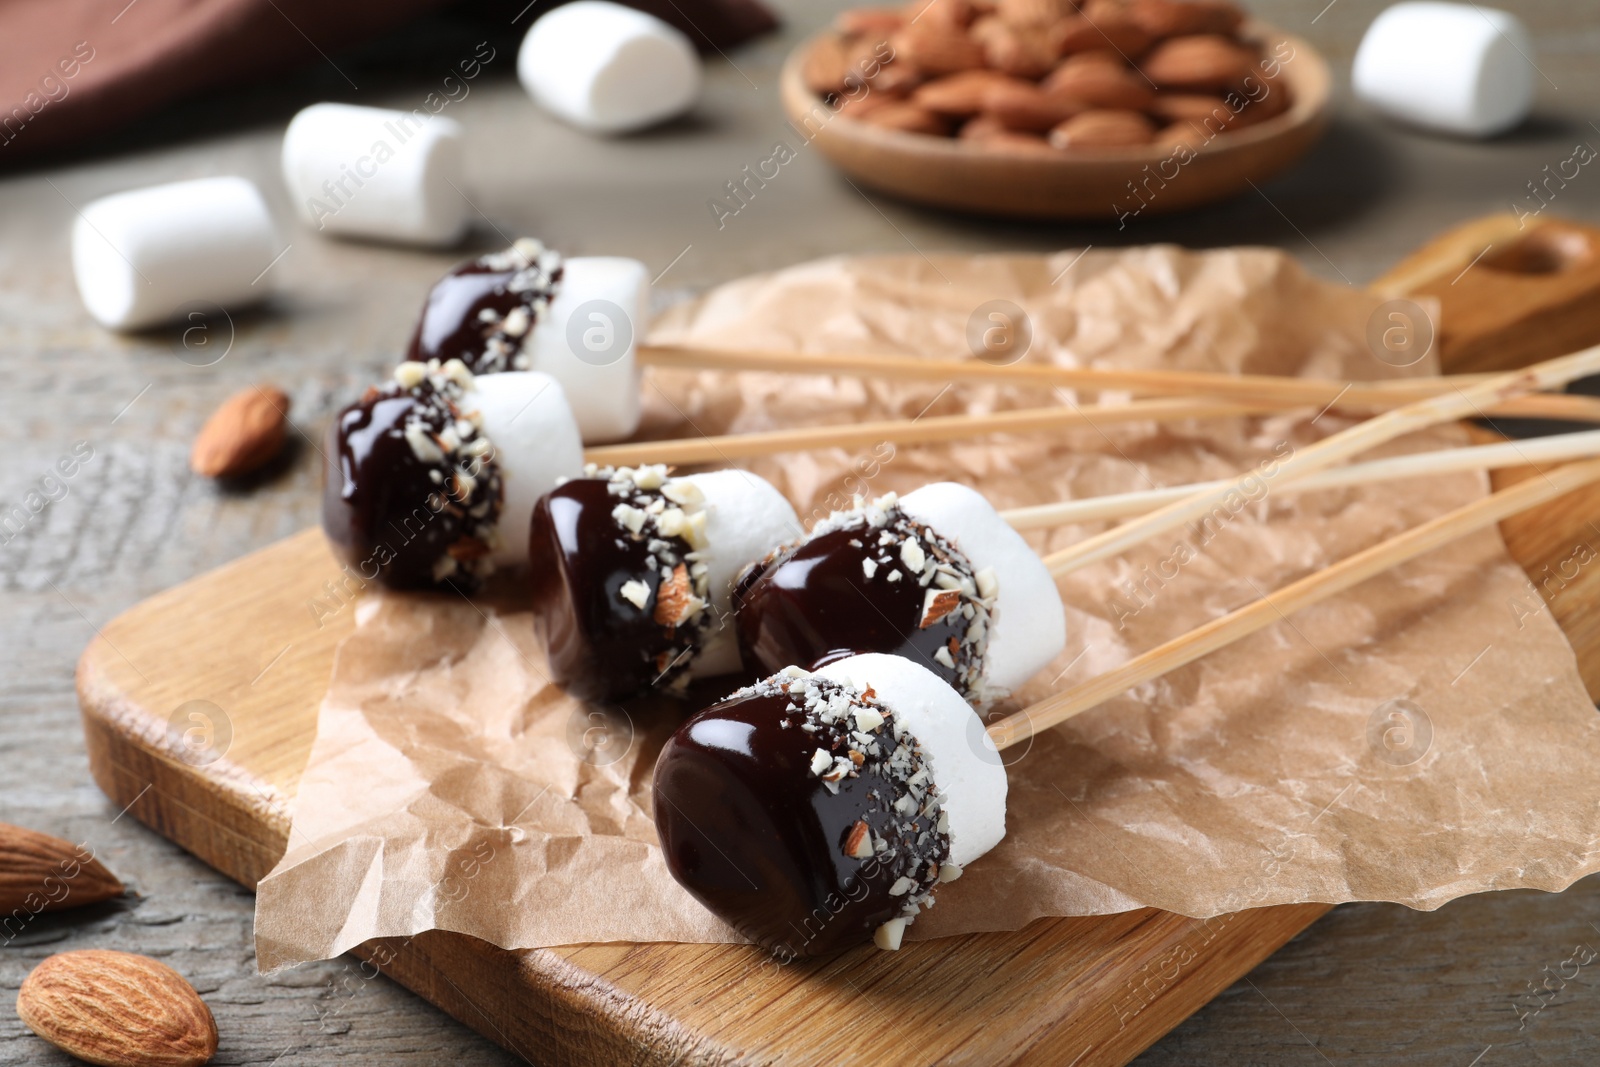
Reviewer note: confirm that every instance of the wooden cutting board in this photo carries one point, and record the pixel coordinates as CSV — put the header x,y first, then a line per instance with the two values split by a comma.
x,y
1079,992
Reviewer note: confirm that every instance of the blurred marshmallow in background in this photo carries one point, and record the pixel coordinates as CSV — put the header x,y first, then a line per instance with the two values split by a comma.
x,y
1455,68
142,256
377,173
607,69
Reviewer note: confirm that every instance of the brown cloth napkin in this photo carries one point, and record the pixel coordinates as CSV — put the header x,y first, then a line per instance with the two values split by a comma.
x,y
71,69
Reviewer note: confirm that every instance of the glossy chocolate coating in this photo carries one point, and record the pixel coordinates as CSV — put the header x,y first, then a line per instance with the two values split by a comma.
x,y
382,511
813,604
756,837
450,326
600,646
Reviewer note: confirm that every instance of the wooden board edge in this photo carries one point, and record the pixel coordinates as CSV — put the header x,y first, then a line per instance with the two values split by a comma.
x,y
1446,253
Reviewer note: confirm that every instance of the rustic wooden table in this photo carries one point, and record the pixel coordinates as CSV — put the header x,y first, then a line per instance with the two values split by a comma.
x,y
1370,983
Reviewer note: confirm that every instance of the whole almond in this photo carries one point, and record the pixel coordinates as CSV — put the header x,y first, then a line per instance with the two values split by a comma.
x,y
1115,32
986,28
859,106
43,873
1180,18
243,434
1191,107
1262,96
1095,82
987,131
1027,108
1025,13
117,1010
1196,64
1187,134
871,59
875,21
1103,129
981,128
959,95
909,118
948,14
935,50
1021,53
826,65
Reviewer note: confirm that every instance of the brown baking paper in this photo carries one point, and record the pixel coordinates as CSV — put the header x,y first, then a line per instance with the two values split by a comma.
x,y
1421,737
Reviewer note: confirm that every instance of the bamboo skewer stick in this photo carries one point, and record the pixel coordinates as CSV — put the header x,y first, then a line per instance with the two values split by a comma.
x,y
1462,403
719,448
915,431
1310,590
1569,407
1565,446
1355,395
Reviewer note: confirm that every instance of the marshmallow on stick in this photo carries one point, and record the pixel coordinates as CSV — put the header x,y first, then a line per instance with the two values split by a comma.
x,y
810,811
433,475
813,811
936,576
526,308
634,571
607,68
376,173
144,257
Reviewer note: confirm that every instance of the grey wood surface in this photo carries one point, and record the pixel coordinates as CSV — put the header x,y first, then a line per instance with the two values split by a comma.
x,y
1371,983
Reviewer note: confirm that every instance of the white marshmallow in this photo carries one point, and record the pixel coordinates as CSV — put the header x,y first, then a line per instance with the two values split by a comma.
x,y
746,518
966,766
587,340
376,173
1029,625
140,257
536,443
1458,68
606,68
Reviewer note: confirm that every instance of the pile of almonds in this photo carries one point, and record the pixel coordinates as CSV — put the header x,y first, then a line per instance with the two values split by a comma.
x,y
1049,75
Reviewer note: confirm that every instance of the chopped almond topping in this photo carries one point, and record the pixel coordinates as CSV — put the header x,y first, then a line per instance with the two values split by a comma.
x,y
675,599
938,604
859,844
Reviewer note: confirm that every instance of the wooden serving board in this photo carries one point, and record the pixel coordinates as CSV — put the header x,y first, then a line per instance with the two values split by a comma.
x,y
1081,992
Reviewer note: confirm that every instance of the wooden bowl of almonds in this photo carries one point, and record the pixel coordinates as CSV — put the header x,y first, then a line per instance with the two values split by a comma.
x,y
1104,109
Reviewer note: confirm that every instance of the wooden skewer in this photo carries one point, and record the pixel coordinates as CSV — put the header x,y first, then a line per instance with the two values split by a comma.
x,y
723,447
1568,407
1565,446
916,431
1461,403
1378,395
1312,589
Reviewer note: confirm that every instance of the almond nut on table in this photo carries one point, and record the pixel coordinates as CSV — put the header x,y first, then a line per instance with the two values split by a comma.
x,y
41,873
243,435
118,1010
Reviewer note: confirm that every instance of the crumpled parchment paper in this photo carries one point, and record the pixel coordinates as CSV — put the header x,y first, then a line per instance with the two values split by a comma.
x,y
1421,737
